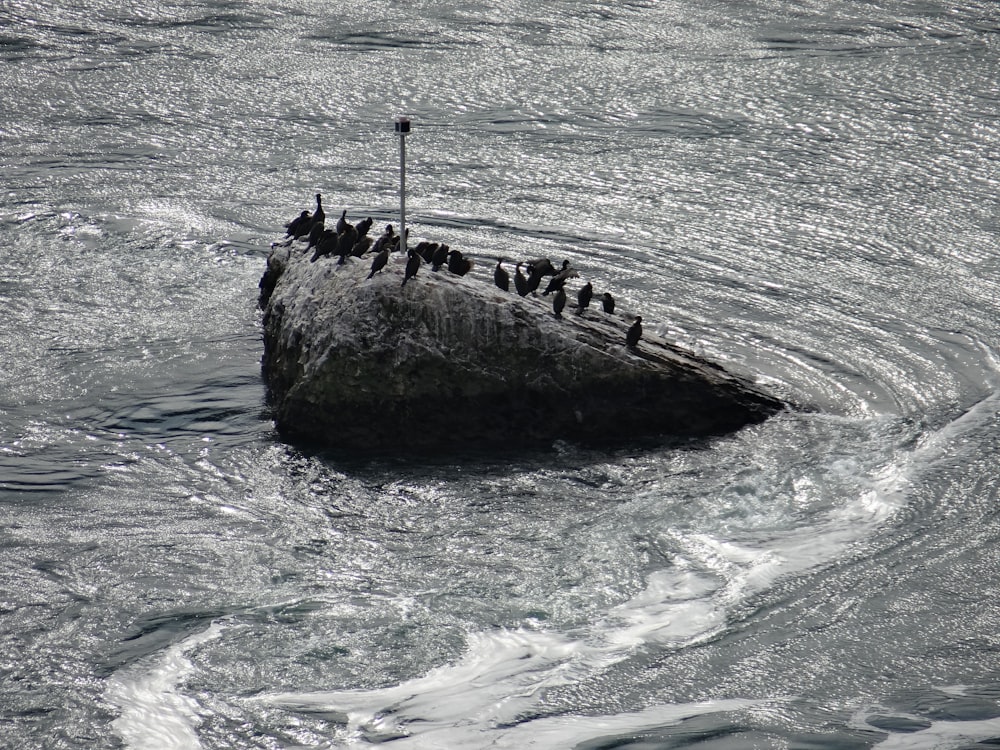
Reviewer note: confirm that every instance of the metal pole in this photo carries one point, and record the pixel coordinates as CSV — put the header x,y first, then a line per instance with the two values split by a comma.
x,y
402,127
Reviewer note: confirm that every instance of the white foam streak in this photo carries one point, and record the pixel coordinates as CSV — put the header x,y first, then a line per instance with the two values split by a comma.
x,y
942,735
154,715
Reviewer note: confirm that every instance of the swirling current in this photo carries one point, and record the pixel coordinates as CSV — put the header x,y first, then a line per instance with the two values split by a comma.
x,y
803,191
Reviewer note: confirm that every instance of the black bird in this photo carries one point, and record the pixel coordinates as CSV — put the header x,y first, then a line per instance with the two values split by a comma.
x,y
314,233
458,264
559,279
342,223
500,276
534,279
559,302
634,333
426,250
583,297
541,266
363,226
412,265
609,303
326,245
362,246
319,216
440,257
345,242
385,239
380,260
299,225
520,281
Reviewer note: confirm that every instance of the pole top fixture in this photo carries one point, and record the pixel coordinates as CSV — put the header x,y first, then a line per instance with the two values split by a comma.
x,y
402,124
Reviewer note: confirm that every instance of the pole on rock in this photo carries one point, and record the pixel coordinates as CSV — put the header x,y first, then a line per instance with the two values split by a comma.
x,y
402,127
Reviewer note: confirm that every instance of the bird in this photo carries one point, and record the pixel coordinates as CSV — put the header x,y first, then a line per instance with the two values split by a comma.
x,y
314,233
533,281
458,264
520,281
345,242
380,260
500,276
440,257
412,265
326,244
362,246
560,278
342,222
634,333
536,270
541,266
559,302
363,226
583,297
319,216
299,226
384,239
609,303
426,250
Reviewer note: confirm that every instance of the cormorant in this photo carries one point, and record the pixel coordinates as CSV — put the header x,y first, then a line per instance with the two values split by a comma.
x,y
314,233
380,260
541,266
559,302
583,297
534,279
609,303
500,276
345,242
385,239
440,257
458,264
634,333
412,265
326,244
520,281
362,246
363,226
319,216
559,279
426,250
342,223
299,226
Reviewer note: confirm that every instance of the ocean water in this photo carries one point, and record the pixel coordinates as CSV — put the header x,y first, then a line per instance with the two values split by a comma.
x,y
803,191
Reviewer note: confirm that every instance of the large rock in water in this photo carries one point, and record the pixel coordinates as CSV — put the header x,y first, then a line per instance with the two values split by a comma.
x,y
359,365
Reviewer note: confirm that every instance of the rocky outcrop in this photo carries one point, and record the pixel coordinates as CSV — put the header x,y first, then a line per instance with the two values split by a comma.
x,y
358,365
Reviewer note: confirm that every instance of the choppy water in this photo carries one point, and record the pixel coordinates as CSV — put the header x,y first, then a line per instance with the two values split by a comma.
x,y
804,191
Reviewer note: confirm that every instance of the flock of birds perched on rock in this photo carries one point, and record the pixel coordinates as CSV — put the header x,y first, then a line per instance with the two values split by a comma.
x,y
353,240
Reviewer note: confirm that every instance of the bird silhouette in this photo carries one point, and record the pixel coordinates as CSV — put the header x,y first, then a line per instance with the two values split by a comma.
x,y
609,303
299,226
520,281
634,333
583,297
385,239
319,216
559,302
458,264
500,276
380,260
412,265
440,257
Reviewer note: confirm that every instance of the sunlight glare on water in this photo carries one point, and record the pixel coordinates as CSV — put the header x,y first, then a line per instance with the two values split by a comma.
x,y
805,193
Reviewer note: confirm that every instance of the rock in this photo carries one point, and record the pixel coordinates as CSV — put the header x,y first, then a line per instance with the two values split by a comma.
x,y
364,365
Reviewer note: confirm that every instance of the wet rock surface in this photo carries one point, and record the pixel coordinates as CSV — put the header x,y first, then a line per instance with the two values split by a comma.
x,y
358,365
